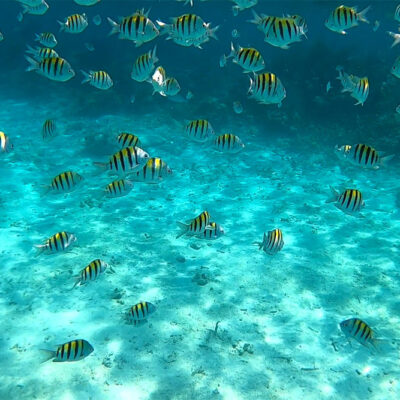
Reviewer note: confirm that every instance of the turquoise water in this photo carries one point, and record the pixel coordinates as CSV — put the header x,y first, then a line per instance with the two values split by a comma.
x,y
231,321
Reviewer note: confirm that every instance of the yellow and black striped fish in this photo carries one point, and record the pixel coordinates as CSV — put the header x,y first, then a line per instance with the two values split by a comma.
x,y
40,53
91,272
65,182
74,350
46,39
273,242
49,129
363,155
228,143
140,311
118,188
195,226
144,66
283,32
199,130
55,68
126,139
98,79
5,145
350,201
58,242
248,58
126,160
137,27
154,171
213,231
355,328
344,17
267,88
75,23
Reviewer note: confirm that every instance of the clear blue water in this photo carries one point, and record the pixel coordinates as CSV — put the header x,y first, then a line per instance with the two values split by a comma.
x,y
278,335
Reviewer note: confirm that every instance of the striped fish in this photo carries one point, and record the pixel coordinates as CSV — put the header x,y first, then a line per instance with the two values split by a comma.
x,y
58,242
397,13
199,130
249,59
350,201
56,68
272,243
228,143
98,79
91,272
363,155
343,17
65,182
118,188
5,145
170,87
140,311
241,5
263,22
40,53
158,79
46,39
39,9
74,350
126,139
283,32
125,160
213,231
75,23
137,27
355,328
154,171
186,27
144,66
49,129
267,88
195,226
357,87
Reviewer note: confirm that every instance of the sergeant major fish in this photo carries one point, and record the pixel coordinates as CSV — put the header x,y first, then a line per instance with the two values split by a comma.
x,y
267,88
56,68
98,79
249,59
75,23
350,201
213,231
195,226
126,139
272,243
355,328
144,66
74,350
49,129
40,53
66,182
91,272
140,311
118,188
39,9
58,242
357,87
343,17
228,143
5,145
46,39
154,171
199,130
241,5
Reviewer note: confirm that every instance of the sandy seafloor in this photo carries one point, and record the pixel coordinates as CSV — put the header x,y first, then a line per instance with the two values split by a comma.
x,y
278,335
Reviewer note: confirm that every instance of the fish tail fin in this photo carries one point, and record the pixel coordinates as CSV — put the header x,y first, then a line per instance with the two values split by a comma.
x,y
303,31
47,355
396,38
256,18
62,26
164,28
233,51
334,195
33,64
44,189
115,28
386,159
37,37
211,32
183,229
86,77
39,249
77,282
153,54
252,83
30,50
361,15
101,165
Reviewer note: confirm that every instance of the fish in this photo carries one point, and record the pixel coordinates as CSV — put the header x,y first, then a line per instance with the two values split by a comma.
x,y
87,2
98,79
249,59
137,28
212,232
66,182
40,53
328,86
195,226
97,20
56,68
91,272
272,243
58,242
187,27
170,87
267,88
144,66
30,3
140,311
235,34
358,87
350,201
397,13
75,23
126,139
125,160
362,155
343,17
49,129
222,61
39,9
158,78
118,188
5,145
377,24
396,68
193,42
228,143
355,328
199,130
46,39
237,107
241,5
395,36
154,171
74,350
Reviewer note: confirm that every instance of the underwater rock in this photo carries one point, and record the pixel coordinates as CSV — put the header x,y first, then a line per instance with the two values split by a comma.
x,y
201,279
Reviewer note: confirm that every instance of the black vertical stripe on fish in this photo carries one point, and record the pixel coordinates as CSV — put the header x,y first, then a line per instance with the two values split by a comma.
x,y
289,29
